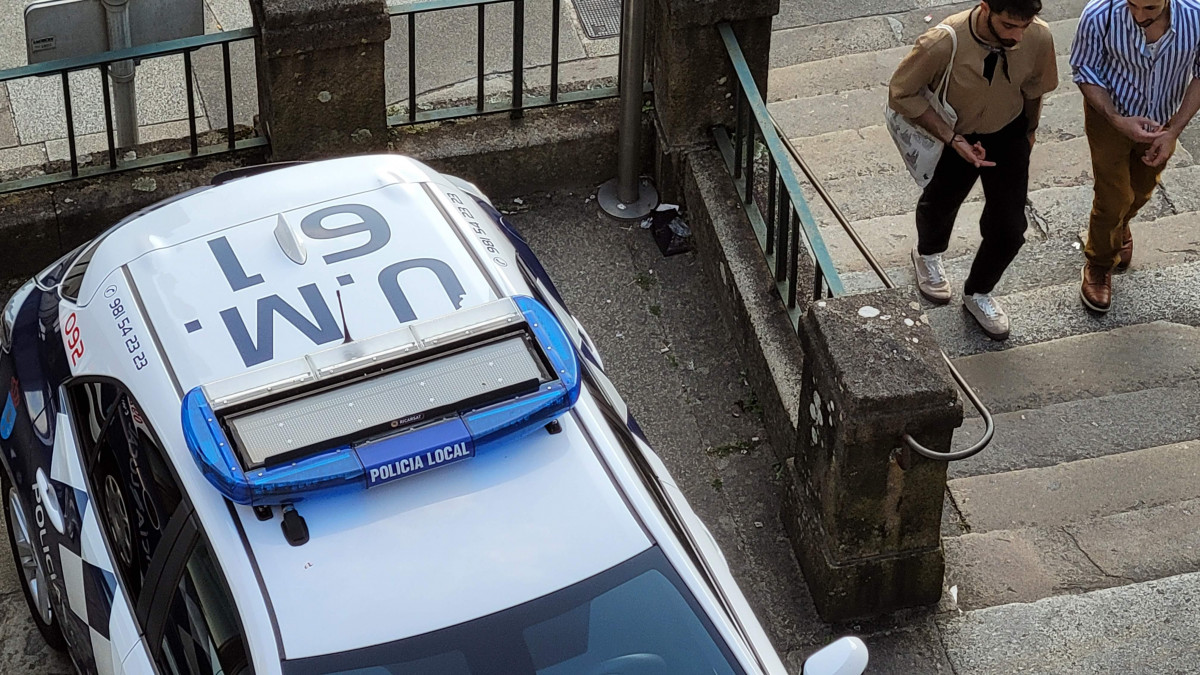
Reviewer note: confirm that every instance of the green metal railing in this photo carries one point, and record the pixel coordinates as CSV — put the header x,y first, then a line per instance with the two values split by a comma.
x,y
787,222
518,99
102,63
788,217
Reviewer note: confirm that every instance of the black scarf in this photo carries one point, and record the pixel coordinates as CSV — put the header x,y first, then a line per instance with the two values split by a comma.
x,y
994,54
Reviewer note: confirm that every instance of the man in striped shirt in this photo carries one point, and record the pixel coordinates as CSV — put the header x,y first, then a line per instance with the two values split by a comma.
x,y
1137,63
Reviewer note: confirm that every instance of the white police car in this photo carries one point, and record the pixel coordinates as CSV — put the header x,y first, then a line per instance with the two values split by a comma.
x,y
334,418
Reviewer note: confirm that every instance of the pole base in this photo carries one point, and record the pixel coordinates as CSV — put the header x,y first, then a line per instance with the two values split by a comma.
x,y
611,204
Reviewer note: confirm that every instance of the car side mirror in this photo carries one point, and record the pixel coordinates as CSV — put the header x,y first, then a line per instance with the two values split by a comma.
x,y
847,656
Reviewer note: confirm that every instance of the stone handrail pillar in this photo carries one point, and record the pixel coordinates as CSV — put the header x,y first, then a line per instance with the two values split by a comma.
x,y
693,80
863,513
320,76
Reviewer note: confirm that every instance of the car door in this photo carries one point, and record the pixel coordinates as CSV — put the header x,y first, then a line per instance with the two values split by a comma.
x,y
130,513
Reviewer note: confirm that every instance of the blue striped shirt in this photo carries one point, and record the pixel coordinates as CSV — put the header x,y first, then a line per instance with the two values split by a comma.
x,y
1110,51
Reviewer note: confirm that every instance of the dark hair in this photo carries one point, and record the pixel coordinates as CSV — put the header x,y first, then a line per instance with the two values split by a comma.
x,y
1018,9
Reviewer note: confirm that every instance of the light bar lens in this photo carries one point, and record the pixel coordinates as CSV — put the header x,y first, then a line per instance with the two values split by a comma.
x,y
402,396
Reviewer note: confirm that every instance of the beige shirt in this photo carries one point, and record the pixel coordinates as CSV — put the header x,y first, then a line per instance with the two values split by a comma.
x,y
982,107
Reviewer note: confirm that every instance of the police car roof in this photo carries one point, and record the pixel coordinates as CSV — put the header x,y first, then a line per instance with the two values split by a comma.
x,y
261,269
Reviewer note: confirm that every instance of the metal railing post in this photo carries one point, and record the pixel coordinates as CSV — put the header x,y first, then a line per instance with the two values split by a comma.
x,y
122,72
627,196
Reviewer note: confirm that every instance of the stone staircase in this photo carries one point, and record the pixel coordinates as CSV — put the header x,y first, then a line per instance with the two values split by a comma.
x,y
1073,542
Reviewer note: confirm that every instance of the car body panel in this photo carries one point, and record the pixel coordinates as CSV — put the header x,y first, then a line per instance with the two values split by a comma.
x,y
529,518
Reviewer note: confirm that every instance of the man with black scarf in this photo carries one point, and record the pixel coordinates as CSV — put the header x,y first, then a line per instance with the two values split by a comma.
x,y
1004,64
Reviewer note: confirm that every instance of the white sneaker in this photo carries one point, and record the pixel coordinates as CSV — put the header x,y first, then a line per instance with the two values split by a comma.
x,y
931,277
989,314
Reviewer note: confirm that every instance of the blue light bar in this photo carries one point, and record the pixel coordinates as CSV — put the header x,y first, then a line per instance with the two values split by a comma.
x,y
367,462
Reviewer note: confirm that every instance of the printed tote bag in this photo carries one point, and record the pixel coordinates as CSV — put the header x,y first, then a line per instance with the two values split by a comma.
x,y
920,150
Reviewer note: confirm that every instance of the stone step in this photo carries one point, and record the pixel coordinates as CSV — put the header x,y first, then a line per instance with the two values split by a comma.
x,y
1079,491
1042,314
812,31
1120,360
1052,253
1024,565
802,118
1081,429
1146,627
870,152
842,67
863,173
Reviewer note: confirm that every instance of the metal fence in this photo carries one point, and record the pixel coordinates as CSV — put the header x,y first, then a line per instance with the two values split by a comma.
x,y
424,25
784,220
67,70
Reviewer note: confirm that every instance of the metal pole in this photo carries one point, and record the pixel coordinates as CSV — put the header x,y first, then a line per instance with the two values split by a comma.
x,y
122,72
627,196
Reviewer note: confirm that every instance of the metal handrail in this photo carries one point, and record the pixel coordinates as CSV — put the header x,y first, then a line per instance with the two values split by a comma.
x,y
167,48
989,426
776,140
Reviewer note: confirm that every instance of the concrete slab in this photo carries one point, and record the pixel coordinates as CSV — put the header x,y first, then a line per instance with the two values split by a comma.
x,y
1135,357
227,15
1144,628
892,238
1052,253
12,34
1074,430
8,129
793,14
1182,188
1144,544
792,46
815,115
578,75
209,75
1065,210
38,103
832,75
1052,312
19,156
846,51
1081,490
58,148
1014,566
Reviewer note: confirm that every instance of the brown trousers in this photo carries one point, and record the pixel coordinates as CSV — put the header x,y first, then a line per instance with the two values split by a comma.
x,y
1123,186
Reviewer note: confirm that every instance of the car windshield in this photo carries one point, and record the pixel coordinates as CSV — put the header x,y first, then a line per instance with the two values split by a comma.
x,y
636,618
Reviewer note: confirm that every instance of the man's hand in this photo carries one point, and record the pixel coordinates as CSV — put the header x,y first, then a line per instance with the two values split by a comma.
x,y
1032,139
1161,149
974,155
1138,129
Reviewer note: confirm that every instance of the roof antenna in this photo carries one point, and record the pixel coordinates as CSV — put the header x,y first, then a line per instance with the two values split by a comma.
x,y
345,328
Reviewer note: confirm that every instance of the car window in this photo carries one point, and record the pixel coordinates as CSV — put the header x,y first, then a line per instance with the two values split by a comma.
x,y
132,484
202,635
638,617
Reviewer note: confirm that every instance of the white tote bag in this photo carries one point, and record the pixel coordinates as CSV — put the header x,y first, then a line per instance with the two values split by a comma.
x,y
920,150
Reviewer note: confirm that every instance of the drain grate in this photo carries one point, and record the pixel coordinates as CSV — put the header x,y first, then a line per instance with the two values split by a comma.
x,y
600,18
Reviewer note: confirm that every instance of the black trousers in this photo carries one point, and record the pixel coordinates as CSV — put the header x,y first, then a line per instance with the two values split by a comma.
x,y
1005,186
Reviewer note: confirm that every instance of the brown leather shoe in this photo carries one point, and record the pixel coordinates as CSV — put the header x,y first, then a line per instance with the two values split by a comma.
x,y
1096,290
1126,252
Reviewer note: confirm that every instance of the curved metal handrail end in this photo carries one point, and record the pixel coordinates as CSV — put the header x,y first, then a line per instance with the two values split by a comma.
x,y
988,431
